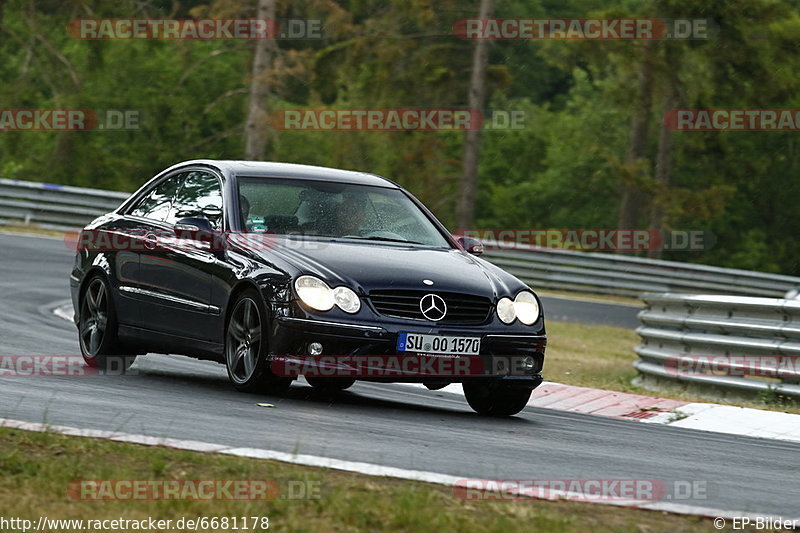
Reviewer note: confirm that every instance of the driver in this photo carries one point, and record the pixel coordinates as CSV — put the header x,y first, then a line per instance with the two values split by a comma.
x,y
244,205
352,213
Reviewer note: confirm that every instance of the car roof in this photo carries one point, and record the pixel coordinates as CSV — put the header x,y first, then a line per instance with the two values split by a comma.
x,y
292,171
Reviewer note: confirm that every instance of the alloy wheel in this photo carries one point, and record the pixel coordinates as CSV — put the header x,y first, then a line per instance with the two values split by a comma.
x,y
243,342
94,318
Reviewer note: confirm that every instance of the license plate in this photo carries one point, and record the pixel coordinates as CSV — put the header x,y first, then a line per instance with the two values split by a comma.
x,y
413,342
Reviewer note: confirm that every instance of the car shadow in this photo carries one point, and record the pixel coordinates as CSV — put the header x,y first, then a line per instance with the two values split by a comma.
x,y
459,409
302,392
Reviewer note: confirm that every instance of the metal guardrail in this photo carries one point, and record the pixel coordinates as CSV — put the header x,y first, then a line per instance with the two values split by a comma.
x,y
55,205
734,343
71,207
631,276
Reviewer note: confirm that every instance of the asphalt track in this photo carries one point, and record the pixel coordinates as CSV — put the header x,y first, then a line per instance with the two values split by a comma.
x,y
390,425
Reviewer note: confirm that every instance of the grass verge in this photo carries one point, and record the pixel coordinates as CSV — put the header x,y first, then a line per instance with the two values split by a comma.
x,y
38,467
602,357
592,297
31,230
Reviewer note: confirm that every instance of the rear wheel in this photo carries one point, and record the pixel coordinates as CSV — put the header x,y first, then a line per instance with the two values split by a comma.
x,y
97,328
330,384
496,399
246,347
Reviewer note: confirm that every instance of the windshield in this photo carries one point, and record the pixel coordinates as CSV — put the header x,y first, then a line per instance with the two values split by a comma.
x,y
335,210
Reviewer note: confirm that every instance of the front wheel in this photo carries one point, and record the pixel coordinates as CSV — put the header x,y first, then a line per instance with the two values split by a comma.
x,y
495,399
246,347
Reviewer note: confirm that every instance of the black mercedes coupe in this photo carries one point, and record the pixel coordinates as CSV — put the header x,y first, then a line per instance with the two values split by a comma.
x,y
278,270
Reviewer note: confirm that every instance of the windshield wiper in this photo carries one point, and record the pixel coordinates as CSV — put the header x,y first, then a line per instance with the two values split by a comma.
x,y
385,239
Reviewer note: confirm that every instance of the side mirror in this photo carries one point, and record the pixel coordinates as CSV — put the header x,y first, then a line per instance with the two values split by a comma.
x,y
194,228
470,245
201,231
193,224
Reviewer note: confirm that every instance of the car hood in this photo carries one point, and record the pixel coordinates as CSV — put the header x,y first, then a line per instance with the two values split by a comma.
x,y
373,266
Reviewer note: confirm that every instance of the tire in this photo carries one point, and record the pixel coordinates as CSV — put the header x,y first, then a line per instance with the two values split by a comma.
x,y
496,399
247,346
97,328
330,384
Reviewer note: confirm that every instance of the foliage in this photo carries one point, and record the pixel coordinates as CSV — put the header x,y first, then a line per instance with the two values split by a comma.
x,y
564,169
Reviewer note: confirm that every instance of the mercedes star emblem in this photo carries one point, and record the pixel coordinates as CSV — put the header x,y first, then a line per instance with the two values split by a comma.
x,y
433,307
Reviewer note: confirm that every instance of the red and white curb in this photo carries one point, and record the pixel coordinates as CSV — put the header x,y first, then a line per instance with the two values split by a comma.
x,y
369,469
653,410
649,409
733,421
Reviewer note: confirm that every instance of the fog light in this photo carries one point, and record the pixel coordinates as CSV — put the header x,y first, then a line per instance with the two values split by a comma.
x,y
315,348
528,363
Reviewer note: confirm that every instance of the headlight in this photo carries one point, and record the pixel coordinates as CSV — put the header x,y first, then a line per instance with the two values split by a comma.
x,y
505,310
346,299
314,292
526,308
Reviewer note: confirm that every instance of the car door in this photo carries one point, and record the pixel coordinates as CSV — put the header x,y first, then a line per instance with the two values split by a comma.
x,y
175,275
139,225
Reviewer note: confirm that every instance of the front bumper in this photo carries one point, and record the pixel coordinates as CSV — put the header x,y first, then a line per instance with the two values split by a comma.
x,y
512,358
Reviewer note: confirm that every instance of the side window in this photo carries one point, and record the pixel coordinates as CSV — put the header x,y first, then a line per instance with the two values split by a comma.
x,y
199,196
156,204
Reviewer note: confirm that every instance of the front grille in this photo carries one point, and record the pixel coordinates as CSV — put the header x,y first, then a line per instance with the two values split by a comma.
x,y
461,308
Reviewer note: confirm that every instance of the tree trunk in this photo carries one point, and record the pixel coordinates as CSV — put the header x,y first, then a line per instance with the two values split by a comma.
x,y
465,212
663,168
632,196
257,128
